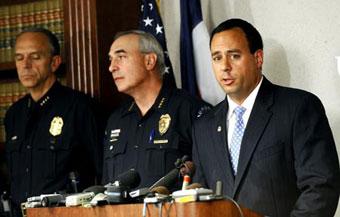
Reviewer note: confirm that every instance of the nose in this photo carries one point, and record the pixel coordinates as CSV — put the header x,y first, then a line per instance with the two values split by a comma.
x,y
27,62
113,66
226,65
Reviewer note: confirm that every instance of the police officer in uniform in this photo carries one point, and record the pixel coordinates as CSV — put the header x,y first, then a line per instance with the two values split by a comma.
x,y
53,131
151,131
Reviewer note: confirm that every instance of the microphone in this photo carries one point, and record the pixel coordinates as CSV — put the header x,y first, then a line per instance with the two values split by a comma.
x,y
157,194
100,198
52,200
187,171
219,189
160,190
74,182
118,190
95,189
186,182
194,186
166,181
188,168
129,179
169,179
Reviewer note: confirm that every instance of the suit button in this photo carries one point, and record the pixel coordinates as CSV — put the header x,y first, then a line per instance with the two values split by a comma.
x,y
52,147
136,146
28,147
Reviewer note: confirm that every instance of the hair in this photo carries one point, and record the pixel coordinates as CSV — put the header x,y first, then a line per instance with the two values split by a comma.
x,y
147,44
252,35
52,39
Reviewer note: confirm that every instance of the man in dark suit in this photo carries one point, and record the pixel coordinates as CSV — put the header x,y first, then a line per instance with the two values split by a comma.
x,y
276,156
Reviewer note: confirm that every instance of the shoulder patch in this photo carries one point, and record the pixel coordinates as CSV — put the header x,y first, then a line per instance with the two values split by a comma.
x,y
204,109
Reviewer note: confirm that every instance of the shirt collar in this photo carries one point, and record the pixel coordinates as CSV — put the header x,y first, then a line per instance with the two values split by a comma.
x,y
159,104
248,103
47,98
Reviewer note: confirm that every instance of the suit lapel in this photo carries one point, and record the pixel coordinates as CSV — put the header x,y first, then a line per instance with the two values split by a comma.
x,y
256,125
219,132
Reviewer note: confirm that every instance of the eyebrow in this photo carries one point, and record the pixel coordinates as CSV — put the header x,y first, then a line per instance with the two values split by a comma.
x,y
31,53
120,51
228,51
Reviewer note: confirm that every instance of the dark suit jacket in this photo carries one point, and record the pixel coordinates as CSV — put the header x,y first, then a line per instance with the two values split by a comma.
x,y
288,164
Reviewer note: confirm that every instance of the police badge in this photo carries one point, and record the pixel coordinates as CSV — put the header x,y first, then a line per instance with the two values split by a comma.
x,y
164,123
56,126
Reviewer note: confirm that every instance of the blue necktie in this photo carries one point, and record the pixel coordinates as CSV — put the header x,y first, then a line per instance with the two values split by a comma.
x,y
236,139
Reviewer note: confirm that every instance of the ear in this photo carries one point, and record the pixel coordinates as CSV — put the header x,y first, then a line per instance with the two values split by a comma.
x,y
259,58
55,63
150,61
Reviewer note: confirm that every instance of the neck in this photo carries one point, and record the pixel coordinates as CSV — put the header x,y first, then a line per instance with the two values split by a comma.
x,y
38,92
146,97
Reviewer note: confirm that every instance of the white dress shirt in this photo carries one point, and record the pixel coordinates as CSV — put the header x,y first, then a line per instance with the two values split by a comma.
x,y
248,103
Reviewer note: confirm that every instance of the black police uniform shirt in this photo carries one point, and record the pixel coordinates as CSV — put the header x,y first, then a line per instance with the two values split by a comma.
x,y
48,139
151,143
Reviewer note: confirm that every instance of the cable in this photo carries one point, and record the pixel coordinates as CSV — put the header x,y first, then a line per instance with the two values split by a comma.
x,y
144,209
236,204
171,203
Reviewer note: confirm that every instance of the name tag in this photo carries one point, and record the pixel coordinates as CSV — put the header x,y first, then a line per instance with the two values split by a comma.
x,y
160,141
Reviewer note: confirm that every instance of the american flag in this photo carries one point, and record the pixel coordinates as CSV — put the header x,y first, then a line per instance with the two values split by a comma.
x,y
150,21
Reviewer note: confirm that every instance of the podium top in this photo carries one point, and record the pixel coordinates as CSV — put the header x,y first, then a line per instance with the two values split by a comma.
x,y
218,208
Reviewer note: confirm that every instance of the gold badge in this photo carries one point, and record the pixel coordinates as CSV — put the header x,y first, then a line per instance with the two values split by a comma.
x,y
56,126
164,123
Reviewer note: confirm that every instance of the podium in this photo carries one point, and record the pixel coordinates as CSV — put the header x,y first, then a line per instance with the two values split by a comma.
x,y
218,208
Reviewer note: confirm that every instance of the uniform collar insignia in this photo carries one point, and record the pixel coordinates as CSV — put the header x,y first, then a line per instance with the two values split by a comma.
x,y
44,100
160,104
131,106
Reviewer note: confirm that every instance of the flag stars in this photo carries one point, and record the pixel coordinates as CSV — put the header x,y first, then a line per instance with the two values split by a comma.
x,y
159,29
151,6
142,8
148,21
167,70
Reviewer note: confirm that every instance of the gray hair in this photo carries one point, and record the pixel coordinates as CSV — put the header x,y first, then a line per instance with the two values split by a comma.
x,y
52,39
147,44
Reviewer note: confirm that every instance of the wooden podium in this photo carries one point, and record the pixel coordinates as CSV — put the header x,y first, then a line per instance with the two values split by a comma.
x,y
218,208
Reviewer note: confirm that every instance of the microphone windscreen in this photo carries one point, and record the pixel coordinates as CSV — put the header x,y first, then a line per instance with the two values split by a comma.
x,y
129,179
95,189
160,190
193,186
185,158
188,168
168,180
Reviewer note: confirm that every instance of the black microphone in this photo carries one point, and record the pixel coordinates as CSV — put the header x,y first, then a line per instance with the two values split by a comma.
x,y
74,182
118,190
53,200
168,180
129,179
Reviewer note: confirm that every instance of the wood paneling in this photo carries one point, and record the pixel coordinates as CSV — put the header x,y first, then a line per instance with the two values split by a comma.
x,y
90,26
